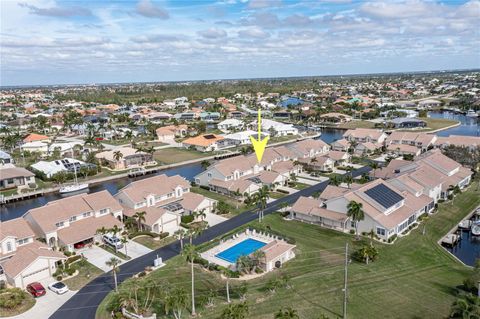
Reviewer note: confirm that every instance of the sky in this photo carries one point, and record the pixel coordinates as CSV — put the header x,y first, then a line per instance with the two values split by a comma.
x,y
70,42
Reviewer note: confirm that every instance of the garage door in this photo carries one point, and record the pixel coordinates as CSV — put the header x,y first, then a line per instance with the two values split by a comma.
x,y
38,275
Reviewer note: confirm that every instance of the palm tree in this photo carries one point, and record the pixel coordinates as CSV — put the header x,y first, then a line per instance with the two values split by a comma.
x,y
140,217
117,155
180,234
334,180
201,213
102,231
124,241
129,223
190,253
175,301
286,313
205,164
374,166
261,198
235,311
348,179
114,263
115,230
466,307
356,213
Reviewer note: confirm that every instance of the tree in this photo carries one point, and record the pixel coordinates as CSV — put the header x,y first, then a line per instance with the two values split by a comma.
x,y
261,198
348,179
243,290
286,313
129,223
201,213
334,180
175,301
466,306
180,234
223,207
140,217
356,213
124,241
205,164
114,263
115,230
374,166
235,311
117,156
190,253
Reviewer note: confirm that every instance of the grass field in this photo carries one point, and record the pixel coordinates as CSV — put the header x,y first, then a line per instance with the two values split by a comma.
x,y
25,305
236,205
357,124
435,124
414,278
176,155
153,244
87,272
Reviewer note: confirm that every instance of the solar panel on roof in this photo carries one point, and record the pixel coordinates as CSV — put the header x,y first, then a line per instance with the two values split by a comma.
x,y
384,195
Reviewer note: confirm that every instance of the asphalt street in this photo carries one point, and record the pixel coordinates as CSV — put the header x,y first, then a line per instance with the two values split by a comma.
x,y
84,303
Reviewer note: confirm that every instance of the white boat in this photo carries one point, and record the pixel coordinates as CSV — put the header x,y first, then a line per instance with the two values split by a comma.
x,y
475,229
76,187
465,224
472,113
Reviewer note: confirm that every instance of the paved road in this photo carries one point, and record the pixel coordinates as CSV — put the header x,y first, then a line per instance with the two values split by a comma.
x,y
84,303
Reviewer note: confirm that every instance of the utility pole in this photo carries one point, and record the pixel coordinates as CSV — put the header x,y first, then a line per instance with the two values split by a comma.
x,y
345,283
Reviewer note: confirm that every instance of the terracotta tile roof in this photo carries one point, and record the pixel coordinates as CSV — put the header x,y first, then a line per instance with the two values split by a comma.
x,y
86,228
18,228
268,177
310,206
459,140
126,151
203,140
60,210
35,137
157,185
363,133
276,248
191,201
13,172
337,155
26,255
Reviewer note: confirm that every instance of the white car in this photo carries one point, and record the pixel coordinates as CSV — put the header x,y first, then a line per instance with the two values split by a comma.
x,y
113,241
58,287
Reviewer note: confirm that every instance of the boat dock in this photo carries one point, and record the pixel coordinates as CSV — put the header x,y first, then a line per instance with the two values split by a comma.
x,y
27,195
450,239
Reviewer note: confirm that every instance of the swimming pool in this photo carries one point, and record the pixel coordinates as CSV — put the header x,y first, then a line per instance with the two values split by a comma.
x,y
245,247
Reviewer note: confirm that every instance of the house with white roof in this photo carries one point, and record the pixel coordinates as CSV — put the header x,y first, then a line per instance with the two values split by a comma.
x,y
278,128
229,125
362,135
67,165
243,138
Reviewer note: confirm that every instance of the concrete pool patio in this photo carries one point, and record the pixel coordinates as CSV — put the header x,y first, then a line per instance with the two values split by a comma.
x,y
276,250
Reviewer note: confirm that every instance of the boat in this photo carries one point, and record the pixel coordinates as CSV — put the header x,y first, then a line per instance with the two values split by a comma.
x,y
475,229
472,113
76,187
465,224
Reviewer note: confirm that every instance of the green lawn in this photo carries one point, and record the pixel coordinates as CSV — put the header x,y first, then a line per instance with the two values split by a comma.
x,y
87,272
435,124
357,124
300,186
276,195
120,253
236,205
414,278
153,244
177,155
278,139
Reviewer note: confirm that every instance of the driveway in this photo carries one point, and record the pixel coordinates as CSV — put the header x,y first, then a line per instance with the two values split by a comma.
x,y
135,249
46,305
98,257
214,219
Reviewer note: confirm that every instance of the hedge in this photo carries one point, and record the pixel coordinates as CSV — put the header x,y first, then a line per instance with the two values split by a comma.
x,y
187,219
141,233
279,190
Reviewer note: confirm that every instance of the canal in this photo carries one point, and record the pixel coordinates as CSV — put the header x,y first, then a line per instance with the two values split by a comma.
x,y
469,126
467,249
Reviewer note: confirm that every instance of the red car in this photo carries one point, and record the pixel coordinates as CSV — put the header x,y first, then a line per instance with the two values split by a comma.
x,y
36,289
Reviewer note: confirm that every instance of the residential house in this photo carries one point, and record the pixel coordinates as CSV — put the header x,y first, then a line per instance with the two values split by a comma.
x,y
362,135
275,128
472,142
388,210
402,149
129,157
207,143
6,159
243,138
164,199
407,122
422,141
340,145
15,177
33,137
339,158
167,134
23,259
70,221
229,125
67,165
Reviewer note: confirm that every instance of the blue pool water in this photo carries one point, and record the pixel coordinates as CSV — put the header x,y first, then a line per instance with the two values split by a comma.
x,y
245,247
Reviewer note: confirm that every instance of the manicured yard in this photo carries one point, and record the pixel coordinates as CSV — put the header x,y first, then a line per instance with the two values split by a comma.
x,y
435,124
153,244
276,195
176,155
413,278
87,272
357,124
277,139
24,305
119,253
300,186
237,206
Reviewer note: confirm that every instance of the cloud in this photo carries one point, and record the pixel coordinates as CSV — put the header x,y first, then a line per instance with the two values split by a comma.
x,y
149,10
154,38
394,10
253,33
58,11
212,33
260,4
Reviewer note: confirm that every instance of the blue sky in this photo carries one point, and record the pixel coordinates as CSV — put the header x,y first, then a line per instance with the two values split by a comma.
x,y
58,42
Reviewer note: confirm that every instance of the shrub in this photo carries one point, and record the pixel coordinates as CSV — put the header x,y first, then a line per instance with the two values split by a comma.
x,y
164,234
142,233
67,253
352,231
187,219
282,191
59,278
201,261
11,298
142,274
73,259
185,225
392,238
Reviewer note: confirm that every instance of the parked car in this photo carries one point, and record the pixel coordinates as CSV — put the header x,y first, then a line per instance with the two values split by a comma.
x,y
58,287
36,289
113,241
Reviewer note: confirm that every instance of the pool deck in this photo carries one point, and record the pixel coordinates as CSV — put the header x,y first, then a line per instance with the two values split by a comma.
x,y
210,254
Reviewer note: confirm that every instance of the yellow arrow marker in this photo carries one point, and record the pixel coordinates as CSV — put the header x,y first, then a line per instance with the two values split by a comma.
x,y
259,145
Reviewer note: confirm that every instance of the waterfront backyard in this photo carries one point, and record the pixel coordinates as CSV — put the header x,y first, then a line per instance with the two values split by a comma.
x,y
413,278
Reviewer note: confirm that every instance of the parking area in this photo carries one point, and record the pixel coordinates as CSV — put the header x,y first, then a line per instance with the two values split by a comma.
x,y
98,257
135,249
46,305
214,219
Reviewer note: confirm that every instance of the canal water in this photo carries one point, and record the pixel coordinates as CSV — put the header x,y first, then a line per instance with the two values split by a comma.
x,y
467,249
469,126
17,209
